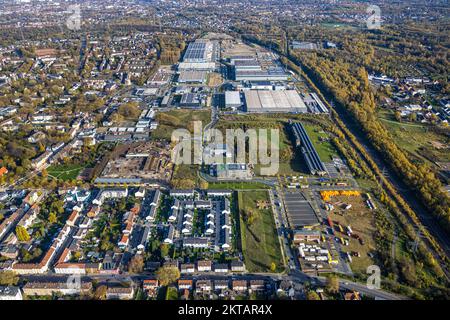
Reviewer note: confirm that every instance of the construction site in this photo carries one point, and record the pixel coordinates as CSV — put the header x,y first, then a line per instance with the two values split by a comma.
x,y
147,161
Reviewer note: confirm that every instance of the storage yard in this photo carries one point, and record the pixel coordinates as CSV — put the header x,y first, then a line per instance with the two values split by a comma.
x,y
353,224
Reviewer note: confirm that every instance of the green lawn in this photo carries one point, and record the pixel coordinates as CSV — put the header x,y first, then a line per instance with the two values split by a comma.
x,y
185,176
171,293
420,146
260,244
237,185
65,172
323,148
290,161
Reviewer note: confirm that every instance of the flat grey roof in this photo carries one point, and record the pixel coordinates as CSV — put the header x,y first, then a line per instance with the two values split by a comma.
x,y
299,210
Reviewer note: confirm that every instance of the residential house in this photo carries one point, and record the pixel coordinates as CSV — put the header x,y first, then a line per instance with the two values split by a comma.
x,y
72,218
239,285
204,265
170,235
202,204
220,285
203,286
156,198
184,284
120,293
221,268
226,209
123,242
195,242
219,193
173,215
257,285
187,268
182,193
237,266
140,193
150,286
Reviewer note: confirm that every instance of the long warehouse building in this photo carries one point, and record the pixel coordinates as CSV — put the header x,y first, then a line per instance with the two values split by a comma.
x,y
315,165
264,101
274,74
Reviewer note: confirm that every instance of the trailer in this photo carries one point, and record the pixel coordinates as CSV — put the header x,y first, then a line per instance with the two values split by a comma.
x,y
349,230
301,252
349,257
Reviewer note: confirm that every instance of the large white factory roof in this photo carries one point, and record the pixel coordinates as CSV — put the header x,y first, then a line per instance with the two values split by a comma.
x,y
232,98
274,101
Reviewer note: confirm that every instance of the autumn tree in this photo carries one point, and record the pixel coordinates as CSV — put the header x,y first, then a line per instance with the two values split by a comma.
x,y
164,250
167,275
8,278
332,284
100,293
22,234
312,295
136,264
273,267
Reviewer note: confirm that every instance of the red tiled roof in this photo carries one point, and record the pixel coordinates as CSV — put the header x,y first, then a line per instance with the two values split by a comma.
x,y
3,171
47,256
124,239
64,255
184,281
73,216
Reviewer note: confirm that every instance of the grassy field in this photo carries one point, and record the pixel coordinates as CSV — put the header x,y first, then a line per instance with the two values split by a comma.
x,y
291,162
65,172
175,119
260,244
425,145
323,148
185,177
237,185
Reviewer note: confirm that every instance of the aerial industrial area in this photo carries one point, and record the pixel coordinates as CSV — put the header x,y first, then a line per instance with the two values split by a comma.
x,y
94,205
